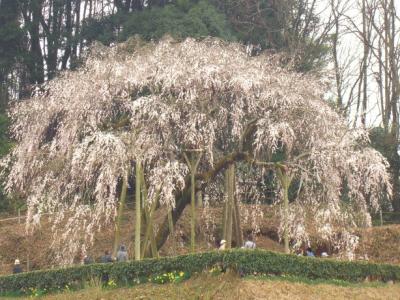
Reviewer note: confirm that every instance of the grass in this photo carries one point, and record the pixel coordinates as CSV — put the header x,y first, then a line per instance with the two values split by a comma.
x,y
231,286
297,279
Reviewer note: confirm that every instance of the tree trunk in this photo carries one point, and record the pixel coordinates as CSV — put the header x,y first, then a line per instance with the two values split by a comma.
x,y
365,62
149,234
237,223
68,28
285,183
395,95
35,64
77,36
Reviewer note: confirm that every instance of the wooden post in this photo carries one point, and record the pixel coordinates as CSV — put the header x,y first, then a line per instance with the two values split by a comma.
x,y
236,213
121,207
171,230
193,212
138,210
199,198
193,164
231,172
225,208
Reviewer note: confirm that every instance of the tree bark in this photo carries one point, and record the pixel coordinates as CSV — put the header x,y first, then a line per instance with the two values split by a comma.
x,y
237,223
365,62
285,183
68,28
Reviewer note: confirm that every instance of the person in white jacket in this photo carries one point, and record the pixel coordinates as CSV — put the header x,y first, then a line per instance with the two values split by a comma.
x,y
222,245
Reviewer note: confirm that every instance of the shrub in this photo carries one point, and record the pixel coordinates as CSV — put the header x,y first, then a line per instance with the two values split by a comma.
x,y
246,262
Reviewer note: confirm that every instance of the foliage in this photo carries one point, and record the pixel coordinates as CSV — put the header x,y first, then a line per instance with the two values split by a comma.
x,y
254,21
5,147
246,262
5,143
180,20
294,27
382,141
11,38
174,277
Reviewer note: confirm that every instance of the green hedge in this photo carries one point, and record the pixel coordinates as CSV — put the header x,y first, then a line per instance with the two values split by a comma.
x,y
246,262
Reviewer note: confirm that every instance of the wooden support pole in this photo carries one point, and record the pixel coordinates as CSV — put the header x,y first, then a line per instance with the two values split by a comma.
x,y
137,210
231,172
193,164
171,231
121,207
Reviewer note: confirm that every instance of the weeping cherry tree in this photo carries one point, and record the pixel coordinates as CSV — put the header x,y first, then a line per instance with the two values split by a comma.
x,y
81,134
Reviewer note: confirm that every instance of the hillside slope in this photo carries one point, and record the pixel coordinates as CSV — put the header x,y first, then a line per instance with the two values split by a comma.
x,y
378,244
230,286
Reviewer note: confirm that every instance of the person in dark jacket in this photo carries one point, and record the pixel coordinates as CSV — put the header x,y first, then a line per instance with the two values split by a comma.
x,y
106,258
17,267
87,260
310,252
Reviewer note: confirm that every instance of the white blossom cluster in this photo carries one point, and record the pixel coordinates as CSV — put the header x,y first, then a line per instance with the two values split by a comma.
x,y
151,102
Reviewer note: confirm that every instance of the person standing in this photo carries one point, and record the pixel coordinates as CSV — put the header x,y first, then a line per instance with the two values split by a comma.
x,y
106,258
122,254
222,245
309,252
87,260
17,267
249,244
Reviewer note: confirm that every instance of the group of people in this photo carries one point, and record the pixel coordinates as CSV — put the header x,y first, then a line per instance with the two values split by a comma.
x,y
248,244
122,256
310,253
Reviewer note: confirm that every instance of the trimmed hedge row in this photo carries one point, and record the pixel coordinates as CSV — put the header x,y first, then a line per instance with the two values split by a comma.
x,y
244,261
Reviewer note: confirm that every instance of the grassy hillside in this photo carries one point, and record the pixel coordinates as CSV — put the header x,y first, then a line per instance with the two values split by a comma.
x,y
230,286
